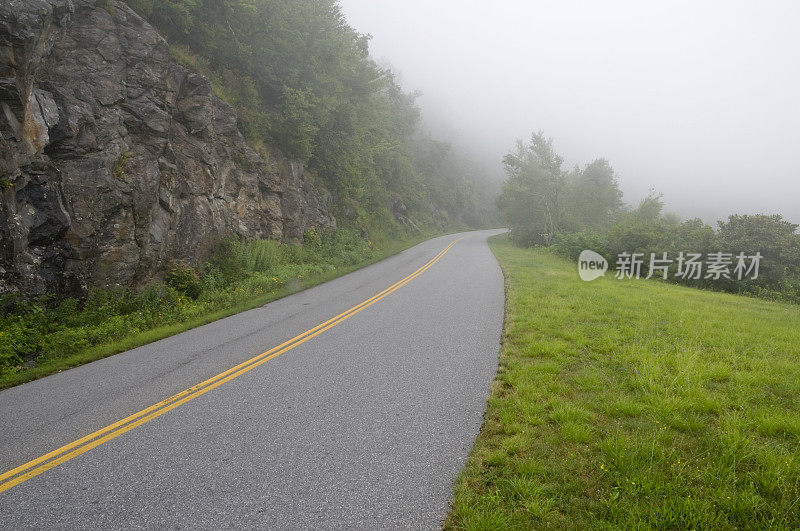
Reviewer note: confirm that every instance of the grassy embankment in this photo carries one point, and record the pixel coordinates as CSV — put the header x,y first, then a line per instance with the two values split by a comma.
x,y
635,404
37,339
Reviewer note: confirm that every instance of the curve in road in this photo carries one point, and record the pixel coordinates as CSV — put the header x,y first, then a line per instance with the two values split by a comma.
x,y
365,426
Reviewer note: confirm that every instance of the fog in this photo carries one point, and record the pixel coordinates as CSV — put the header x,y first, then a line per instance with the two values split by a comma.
x,y
698,100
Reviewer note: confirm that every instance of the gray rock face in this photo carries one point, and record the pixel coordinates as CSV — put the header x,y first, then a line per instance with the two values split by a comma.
x,y
115,160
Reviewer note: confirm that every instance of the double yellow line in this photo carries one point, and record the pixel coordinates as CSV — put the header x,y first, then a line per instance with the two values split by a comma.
x,y
52,459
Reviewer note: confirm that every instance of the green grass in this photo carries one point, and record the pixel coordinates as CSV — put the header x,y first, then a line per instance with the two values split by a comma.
x,y
40,339
635,405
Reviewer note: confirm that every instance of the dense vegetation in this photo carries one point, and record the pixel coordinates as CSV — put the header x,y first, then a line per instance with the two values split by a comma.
x,y
45,335
302,79
635,405
570,211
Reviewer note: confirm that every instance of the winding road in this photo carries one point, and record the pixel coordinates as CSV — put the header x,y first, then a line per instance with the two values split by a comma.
x,y
351,405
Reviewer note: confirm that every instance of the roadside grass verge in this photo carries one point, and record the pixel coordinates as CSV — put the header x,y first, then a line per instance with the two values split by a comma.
x,y
42,338
635,404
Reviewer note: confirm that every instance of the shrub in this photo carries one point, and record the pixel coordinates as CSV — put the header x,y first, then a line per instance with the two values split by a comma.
x,y
238,271
312,240
777,241
570,245
224,262
183,278
9,350
258,255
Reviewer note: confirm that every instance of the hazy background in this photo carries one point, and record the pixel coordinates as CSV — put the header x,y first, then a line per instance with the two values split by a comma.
x,y
697,99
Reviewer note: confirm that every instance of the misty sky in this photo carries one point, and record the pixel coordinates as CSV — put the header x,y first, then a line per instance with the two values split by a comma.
x,y
697,99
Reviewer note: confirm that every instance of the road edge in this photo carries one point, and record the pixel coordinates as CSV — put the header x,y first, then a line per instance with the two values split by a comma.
x,y
151,336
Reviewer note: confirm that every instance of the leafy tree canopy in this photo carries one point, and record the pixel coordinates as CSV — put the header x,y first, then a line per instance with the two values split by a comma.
x,y
301,79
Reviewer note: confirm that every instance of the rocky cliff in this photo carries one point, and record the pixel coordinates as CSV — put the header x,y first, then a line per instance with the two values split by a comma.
x,y
115,160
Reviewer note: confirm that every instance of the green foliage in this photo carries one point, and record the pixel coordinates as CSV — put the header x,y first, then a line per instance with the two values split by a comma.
x,y
237,90
46,331
773,237
301,78
777,241
257,256
297,127
530,200
456,184
540,200
582,209
183,278
649,210
641,230
570,245
339,247
592,196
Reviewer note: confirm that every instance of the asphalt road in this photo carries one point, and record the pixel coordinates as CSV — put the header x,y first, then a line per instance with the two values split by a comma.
x,y
364,426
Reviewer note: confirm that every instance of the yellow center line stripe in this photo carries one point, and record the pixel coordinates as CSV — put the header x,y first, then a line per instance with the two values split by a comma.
x,y
199,386
103,435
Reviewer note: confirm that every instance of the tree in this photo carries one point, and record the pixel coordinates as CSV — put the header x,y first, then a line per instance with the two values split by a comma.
x,y
530,200
777,241
593,197
301,79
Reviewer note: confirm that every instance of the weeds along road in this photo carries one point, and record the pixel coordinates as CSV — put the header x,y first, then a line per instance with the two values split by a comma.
x,y
360,414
